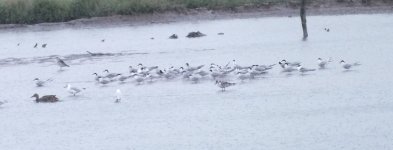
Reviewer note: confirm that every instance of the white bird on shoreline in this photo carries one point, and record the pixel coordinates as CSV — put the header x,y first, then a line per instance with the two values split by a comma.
x,y
139,79
292,64
118,96
73,90
263,67
348,66
255,73
303,70
132,70
103,81
151,68
111,75
223,84
322,63
238,66
189,68
97,77
124,78
288,68
168,74
243,76
195,78
202,73
40,83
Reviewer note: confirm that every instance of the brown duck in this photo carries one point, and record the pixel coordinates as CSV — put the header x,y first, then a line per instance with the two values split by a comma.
x,y
45,99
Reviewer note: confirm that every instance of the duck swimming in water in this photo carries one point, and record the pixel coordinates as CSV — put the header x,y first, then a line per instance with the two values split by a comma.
x,y
45,99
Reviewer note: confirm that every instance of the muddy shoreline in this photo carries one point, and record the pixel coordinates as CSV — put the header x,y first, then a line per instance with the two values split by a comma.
x,y
200,15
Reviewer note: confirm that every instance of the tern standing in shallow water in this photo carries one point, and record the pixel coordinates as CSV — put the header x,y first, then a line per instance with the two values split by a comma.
x,y
322,63
348,66
118,96
287,68
73,90
292,64
40,83
224,84
303,70
103,81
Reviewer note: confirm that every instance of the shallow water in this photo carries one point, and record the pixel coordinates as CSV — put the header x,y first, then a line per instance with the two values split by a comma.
x,y
327,109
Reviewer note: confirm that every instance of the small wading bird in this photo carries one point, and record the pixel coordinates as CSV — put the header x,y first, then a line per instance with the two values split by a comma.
x,y
45,99
103,81
40,83
73,90
61,63
223,84
97,77
303,70
118,96
111,75
348,66
322,63
292,64
287,68
195,78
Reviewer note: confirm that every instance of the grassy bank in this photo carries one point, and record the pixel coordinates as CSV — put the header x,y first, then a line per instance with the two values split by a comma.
x,y
37,11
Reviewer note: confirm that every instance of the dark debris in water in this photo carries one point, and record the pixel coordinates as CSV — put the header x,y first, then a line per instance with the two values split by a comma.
x,y
173,36
195,34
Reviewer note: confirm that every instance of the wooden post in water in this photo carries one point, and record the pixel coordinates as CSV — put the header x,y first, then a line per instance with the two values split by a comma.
x,y
303,19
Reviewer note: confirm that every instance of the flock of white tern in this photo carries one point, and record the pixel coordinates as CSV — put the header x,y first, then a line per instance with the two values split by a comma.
x,y
221,75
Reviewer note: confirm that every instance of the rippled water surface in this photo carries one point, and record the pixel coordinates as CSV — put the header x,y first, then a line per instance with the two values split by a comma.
x,y
327,109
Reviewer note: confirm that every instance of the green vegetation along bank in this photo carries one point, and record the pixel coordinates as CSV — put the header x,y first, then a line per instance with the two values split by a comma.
x,y
39,11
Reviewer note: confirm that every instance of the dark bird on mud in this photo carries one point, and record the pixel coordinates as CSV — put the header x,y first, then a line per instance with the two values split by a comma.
x,y
36,44
103,40
61,63
44,45
45,99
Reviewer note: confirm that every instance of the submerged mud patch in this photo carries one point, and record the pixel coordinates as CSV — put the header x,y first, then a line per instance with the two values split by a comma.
x,y
89,56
